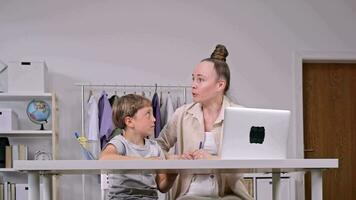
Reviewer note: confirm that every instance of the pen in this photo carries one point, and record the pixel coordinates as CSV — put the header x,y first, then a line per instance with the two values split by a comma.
x,y
200,145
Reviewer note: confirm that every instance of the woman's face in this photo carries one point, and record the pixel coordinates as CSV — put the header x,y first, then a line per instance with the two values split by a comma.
x,y
206,84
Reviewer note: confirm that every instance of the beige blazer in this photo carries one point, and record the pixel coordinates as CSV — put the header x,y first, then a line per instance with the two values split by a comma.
x,y
186,130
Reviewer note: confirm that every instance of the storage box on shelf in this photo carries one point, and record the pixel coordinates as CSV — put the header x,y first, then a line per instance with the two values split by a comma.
x,y
8,119
19,74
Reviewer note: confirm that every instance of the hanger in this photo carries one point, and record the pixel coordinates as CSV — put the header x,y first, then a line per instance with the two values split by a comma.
x,y
161,98
90,94
149,92
143,92
5,67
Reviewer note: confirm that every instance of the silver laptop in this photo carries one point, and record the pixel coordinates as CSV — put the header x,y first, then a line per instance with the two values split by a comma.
x,y
251,133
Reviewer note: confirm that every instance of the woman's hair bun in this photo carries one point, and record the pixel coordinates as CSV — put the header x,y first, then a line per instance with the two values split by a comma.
x,y
220,53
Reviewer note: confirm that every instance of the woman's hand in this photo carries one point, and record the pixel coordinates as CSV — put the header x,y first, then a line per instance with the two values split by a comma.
x,y
201,155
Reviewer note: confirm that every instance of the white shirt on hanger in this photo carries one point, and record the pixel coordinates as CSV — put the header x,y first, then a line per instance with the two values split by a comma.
x,y
167,110
92,119
92,126
178,103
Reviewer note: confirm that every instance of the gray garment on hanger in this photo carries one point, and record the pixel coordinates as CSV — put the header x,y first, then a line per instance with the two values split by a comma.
x,y
167,110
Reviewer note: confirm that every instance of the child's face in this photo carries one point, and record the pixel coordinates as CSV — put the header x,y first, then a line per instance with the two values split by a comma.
x,y
144,121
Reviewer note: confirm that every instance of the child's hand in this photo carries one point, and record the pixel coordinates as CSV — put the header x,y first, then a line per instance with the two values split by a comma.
x,y
201,155
186,156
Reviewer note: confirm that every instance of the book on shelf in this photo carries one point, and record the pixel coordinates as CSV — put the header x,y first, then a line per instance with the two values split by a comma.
x,y
4,185
15,152
23,152
12,191
4,141
1,191
8,157
8,191
16,191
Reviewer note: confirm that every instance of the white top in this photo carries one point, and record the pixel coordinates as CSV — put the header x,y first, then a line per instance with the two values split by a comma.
x,y
209,143
92,119
205,185
169,108
92,126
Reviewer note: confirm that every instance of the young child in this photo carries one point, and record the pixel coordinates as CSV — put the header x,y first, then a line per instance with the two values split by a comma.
x,y
134,115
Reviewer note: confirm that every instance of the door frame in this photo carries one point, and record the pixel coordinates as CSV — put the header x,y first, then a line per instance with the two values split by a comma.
x,y
301,57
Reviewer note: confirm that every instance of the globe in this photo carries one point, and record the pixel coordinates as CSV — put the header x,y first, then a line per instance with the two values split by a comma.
x,y
38,112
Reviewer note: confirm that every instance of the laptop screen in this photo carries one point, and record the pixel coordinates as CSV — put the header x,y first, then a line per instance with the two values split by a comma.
x,y
252,133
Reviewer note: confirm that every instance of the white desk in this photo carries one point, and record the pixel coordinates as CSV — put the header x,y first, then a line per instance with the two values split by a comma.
x,y
61,167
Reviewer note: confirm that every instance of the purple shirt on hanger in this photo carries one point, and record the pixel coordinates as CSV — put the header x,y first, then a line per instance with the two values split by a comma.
x,y
106,125
156,114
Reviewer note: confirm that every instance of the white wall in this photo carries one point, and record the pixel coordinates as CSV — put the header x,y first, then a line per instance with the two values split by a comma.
x,y
135,42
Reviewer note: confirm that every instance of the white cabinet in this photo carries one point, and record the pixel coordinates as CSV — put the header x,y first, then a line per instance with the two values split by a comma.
x,y
264,189
262,186
29,133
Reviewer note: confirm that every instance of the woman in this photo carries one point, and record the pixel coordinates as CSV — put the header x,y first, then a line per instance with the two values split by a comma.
x,y
196,130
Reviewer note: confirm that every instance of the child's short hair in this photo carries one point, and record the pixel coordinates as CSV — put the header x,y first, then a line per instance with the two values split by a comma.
x,y
127,106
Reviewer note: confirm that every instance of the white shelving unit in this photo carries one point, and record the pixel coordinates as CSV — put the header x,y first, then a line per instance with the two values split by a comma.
x,y
26,133
32,136
262,186
25,96
7,170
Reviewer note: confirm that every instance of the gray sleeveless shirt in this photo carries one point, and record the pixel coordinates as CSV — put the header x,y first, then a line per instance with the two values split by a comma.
x,y
133,186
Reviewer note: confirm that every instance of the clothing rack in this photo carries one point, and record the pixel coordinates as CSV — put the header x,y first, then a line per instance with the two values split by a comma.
x,y
85,86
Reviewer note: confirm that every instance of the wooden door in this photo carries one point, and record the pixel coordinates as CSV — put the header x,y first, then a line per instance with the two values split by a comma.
x,y
329,106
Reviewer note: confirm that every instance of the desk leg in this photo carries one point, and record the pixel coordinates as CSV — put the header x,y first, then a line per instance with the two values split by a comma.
x,y
33,186
83,186
47,190
316,185
276,185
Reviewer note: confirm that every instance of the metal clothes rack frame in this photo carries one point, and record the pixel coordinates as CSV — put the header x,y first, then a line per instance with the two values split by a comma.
x,y
85,86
